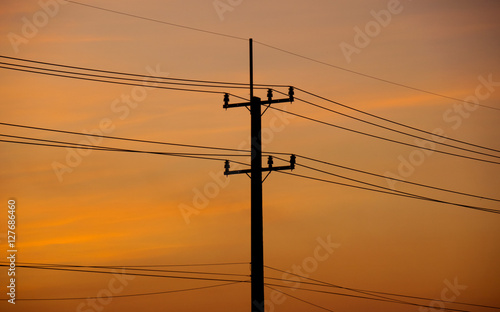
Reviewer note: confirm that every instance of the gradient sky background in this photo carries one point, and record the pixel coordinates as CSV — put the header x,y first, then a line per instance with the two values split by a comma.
x,y
123,209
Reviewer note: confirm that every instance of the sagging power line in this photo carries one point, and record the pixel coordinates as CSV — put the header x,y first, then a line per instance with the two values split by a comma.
x,y
239,38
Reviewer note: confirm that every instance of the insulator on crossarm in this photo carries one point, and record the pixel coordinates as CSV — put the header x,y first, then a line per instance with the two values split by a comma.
x,y
292,161
270,161
226,100
269,94
291,93
226,167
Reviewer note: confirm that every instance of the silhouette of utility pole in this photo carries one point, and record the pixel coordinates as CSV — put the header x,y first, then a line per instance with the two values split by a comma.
x,y
257,238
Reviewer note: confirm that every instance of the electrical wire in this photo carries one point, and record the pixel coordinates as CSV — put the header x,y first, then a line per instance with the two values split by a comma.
x,y
149,265
157,21
116,82
373,77
383,138
395,179
387,120
202,147
122,138
402,132
204,156
411,195
283,51
327,284
126,273
236,85
398,193
392,193
296,298
133,295
123,78
106,148
134,139
361,297
120,150
340,287
224,84
318,282
142,269
219,92
30,69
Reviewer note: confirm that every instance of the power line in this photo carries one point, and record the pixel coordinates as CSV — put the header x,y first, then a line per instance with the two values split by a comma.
x,y
234,85
106,148
224,84
158,21
193,155
398,193
393,193
382,138
411,195
331,286
123,138
308,102
151,265
132,295
90,147
296,298
127,273
402,132
321,283
363,297
327,284
123,78
133,139
116,82
284,51
395,179
387,120
373,77
142,269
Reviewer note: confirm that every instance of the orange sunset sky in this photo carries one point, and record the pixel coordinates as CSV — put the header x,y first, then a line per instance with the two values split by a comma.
x,y
104,208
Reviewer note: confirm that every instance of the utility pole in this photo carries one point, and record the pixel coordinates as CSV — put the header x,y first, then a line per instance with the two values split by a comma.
x,y
257,233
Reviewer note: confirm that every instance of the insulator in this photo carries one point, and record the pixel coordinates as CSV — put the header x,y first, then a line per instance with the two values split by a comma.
x,y
291,93
270,94
270,161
